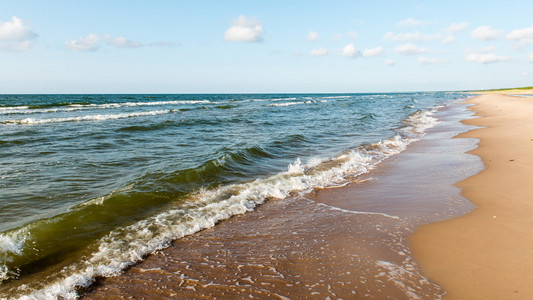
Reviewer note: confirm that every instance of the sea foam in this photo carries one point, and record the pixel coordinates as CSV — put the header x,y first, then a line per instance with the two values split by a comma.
x,y
7,110
33,121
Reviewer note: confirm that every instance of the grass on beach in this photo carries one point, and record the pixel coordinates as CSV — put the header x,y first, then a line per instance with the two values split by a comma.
x,y
520,90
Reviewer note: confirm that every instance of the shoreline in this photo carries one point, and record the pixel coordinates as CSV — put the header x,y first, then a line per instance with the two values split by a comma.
x,y
486,254
317,246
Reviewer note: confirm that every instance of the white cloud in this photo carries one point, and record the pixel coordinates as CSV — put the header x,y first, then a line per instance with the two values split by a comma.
x,y
486,33
431,61
350,51
122,42
485,56
319,52
530,58
373,51
298,53
485,50
522,36
412,22
89,43
409,49
409,36
449,39
457,27
524,73
245,29
452,30
312,36
16,35
390,62
93,41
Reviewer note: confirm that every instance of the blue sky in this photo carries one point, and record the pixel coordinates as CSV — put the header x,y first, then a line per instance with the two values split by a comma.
x,y
263,46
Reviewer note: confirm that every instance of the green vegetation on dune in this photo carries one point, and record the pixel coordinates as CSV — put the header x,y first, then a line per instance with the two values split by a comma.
x,y
505,90
511,89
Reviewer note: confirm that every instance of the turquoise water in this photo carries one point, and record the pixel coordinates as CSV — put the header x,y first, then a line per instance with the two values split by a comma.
x,y
89,184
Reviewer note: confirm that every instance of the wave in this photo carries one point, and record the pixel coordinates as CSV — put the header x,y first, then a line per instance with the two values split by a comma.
x,y
66,107
32,121
22,249
274,99
127,245
291,103
419,122
9,108
336,97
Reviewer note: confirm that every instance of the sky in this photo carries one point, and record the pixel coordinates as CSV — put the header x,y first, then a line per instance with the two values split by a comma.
x,y
263,46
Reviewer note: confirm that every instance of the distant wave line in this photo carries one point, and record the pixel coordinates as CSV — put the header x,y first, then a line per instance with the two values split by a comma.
x,y
32,121
24,109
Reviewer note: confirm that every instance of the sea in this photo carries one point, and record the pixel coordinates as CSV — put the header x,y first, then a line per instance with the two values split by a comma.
x,y
92,184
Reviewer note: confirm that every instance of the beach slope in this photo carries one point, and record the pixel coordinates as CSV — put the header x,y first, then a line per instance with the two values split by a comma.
x,y
487,254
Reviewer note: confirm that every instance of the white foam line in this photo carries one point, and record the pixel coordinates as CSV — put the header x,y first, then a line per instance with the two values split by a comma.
x,y
32,121
290,103
166,102
12,108
273,99
355,212
336,97
75,107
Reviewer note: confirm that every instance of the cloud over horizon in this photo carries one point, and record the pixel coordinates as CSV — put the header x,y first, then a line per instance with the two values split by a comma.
x,y
522,36
350,51
485,56
412,22
486,33
457,27
244,29
452,30
312,36
319,52
16,35
122,42
91,42
373,51
409,36
409,49
390,62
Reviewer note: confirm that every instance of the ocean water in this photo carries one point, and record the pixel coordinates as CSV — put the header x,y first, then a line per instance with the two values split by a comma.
x,y
90,184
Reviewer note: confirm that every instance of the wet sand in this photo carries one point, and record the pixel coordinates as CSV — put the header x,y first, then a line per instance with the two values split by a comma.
x,y
349,242
487,254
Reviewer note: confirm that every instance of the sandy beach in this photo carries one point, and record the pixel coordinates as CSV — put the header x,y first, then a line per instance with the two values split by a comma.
x,y
486,254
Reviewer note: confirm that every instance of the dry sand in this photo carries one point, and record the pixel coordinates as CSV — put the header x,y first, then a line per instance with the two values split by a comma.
x,y
488,253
